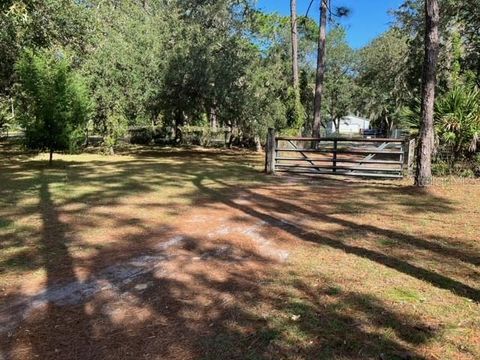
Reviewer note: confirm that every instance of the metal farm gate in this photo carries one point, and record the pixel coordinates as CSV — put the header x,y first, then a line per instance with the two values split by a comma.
x,y
381,158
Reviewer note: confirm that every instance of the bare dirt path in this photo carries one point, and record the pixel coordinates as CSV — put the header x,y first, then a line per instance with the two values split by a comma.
x,y
158,288
203,238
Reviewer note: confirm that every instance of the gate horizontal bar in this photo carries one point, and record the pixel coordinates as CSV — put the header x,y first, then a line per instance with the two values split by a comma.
x,y
338,167
358,174
340,160
330,151
375,140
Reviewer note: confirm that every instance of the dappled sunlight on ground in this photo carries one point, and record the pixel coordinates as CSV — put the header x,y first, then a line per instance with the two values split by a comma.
x,y
196,254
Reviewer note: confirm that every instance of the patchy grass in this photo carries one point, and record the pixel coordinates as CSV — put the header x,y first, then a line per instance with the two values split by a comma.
x,y
375,269
5,223
405,295
388,242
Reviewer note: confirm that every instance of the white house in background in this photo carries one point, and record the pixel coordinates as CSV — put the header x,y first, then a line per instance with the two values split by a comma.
x,y
349,125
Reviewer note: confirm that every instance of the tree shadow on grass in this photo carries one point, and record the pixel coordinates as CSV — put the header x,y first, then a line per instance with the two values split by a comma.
x,y
209,310
266,207
58,264
170,320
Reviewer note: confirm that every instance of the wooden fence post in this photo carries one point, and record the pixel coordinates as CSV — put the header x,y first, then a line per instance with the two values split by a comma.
x,y
270,152
411,157
335,148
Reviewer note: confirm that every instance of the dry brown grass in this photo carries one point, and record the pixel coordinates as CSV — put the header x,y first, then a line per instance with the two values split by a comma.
x,y
183,254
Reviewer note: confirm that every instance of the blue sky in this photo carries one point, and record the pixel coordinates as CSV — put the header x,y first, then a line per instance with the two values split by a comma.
x,y
368,18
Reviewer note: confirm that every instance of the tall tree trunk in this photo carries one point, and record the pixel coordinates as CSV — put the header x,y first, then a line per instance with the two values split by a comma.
x,y
258,144
336,122
50,158
294,32
179,122
317,106
212,115
423,175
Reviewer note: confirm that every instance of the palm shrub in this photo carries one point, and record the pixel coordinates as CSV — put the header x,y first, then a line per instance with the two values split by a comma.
x,y
54,100
457,121
409,117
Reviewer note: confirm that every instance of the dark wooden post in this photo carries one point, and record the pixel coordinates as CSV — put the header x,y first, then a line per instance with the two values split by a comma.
x,y
335,146
403,156
270,152
411,156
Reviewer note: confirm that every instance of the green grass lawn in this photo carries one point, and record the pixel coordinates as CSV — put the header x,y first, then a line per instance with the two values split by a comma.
x,y
233,264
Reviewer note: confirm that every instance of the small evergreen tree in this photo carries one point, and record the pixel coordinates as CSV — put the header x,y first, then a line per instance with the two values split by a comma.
x,y
54,100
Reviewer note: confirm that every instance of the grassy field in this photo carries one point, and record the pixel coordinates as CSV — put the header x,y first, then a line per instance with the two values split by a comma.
x,y
195,254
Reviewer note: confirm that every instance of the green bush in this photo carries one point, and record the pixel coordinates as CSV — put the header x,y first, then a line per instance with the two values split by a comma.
x,y
203,135
141,135
466,172
54,100
441,168
476,165
465,168
457,117
296,115
5,116
115,129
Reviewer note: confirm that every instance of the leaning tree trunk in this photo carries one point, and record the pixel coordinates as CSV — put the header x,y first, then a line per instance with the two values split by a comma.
x,y
293,20
317,106
423,175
